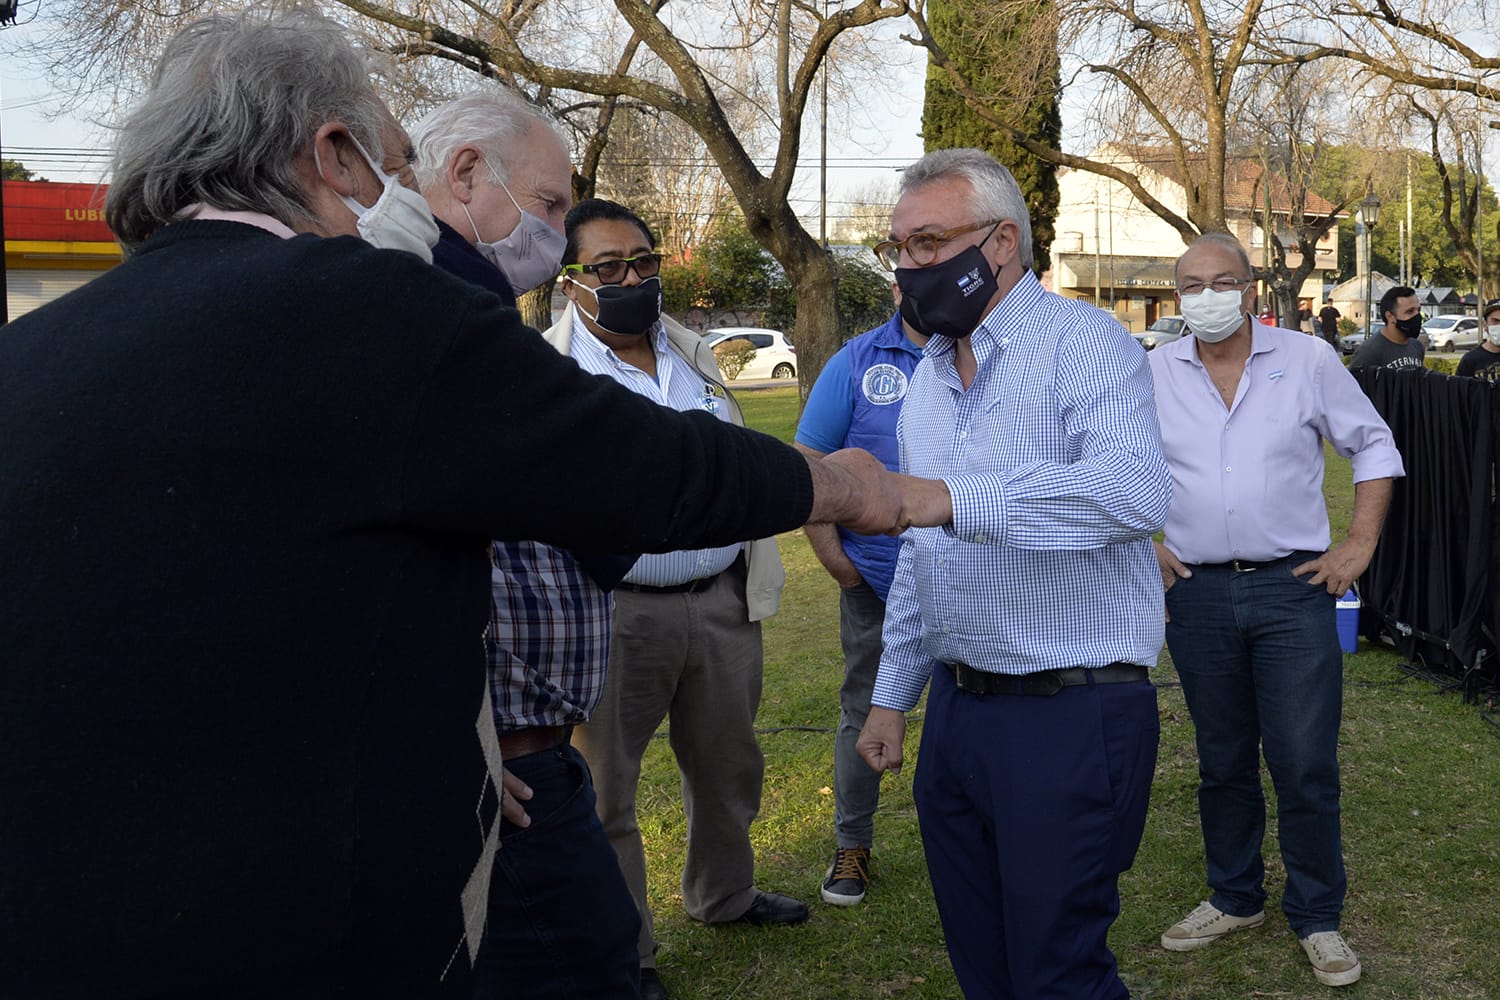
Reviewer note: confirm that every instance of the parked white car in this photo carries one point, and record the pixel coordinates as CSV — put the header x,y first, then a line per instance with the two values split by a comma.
x,y
1447,333
1354,341
775,357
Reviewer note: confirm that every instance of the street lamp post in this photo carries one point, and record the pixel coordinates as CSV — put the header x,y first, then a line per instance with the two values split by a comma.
x,y
1479,298
1369,214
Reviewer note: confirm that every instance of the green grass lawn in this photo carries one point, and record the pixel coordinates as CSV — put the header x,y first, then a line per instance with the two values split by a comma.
x,y
1421,837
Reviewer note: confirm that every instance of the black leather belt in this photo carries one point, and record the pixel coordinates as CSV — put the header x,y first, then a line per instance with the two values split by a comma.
x,y
697,586
691,587
520,742
1043,683
1247,565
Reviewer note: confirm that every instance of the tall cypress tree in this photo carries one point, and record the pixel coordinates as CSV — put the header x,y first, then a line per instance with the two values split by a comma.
x,y
1007,51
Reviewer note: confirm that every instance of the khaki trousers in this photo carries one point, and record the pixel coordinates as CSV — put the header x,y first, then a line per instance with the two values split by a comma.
x,y
693,660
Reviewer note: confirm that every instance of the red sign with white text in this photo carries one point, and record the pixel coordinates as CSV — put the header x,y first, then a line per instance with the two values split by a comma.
x,y
55,212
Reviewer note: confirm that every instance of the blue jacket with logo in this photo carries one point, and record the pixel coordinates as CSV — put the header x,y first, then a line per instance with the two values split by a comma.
x,y
855,404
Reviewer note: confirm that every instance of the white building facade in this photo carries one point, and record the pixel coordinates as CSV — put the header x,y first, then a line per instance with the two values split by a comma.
x,y
1111,249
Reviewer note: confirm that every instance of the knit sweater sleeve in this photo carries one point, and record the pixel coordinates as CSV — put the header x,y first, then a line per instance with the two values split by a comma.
x,y
514,439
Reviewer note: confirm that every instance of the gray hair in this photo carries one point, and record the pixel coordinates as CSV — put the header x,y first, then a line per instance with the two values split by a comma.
x,y
1227,242
996,194
232,104
492,120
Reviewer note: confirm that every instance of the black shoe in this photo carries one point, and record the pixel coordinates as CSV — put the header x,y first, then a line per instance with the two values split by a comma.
x,y
848,877
774,908
651,987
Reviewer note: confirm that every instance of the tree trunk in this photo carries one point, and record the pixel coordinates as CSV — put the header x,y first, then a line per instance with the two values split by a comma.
x,y
536,307
814,280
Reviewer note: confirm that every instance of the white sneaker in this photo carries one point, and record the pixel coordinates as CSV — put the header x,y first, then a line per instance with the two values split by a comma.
x,y
1204,926
1333,961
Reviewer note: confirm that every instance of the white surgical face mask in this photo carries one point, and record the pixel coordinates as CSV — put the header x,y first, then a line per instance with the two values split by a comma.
x,y
399,219
1211,315
1492,334
532,252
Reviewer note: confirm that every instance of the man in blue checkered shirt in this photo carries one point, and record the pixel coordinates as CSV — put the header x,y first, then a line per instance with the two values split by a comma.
x,y
1036,612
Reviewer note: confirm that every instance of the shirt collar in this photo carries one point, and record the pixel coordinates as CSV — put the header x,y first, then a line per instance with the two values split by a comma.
x,y
658,337
1260,343
260,220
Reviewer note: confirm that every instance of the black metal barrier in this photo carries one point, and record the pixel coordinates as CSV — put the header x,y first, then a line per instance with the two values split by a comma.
x,y
1429,586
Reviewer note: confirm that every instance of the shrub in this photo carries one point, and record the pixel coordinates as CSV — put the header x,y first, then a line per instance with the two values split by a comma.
x,y
733,356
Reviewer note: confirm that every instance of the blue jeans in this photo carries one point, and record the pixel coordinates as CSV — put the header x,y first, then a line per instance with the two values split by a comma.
x,y
1259,657
561,923
856,788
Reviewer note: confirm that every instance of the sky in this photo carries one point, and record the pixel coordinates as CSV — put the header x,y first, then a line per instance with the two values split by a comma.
x,y
70,148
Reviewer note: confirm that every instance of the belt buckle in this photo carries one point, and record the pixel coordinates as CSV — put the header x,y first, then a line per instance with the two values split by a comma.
x,y
1242,569
1044,683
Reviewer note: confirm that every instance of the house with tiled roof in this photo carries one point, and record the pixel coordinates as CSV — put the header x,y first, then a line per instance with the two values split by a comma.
x,y
1112,249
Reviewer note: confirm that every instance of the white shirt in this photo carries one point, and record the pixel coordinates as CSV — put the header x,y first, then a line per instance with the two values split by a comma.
x,y
679,386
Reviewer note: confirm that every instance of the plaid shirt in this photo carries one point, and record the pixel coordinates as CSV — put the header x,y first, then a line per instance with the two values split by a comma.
x,y
548,640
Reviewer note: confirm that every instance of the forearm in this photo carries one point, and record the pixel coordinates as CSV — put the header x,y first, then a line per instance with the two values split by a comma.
x,y
826,545
824,538
1372,498
837,493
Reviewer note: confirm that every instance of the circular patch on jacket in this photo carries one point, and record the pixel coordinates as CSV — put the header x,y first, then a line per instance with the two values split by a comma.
x,y
884,384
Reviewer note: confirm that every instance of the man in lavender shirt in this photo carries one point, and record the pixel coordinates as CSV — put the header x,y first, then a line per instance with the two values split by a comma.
x,y
1251,583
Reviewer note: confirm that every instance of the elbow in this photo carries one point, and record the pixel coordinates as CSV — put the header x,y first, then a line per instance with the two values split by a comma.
x,y
1150,495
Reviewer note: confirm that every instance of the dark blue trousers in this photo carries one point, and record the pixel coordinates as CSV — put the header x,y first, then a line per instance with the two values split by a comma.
x,y
561,923
1030,809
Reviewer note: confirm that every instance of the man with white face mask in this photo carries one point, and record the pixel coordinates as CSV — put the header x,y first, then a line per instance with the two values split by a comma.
x,y
1483,362
496,173
1250,589
547,644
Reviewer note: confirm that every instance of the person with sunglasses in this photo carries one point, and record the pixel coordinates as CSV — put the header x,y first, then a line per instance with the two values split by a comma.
x,y
685,645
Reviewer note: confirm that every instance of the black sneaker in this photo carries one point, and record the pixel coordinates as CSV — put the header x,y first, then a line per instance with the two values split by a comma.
x,y
847,877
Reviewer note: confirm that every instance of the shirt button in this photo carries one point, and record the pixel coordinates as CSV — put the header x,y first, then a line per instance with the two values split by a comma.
x,y
981,538
1228,468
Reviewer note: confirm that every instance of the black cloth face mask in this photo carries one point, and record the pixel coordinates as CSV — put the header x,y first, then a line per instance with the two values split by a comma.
x,y
626,310
948,298
1410,327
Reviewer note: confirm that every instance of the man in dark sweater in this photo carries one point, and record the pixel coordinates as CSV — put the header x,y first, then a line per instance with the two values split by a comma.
x,y
248,482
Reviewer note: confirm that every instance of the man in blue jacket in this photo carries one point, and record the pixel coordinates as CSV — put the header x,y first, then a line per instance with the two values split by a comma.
x,y
856,403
